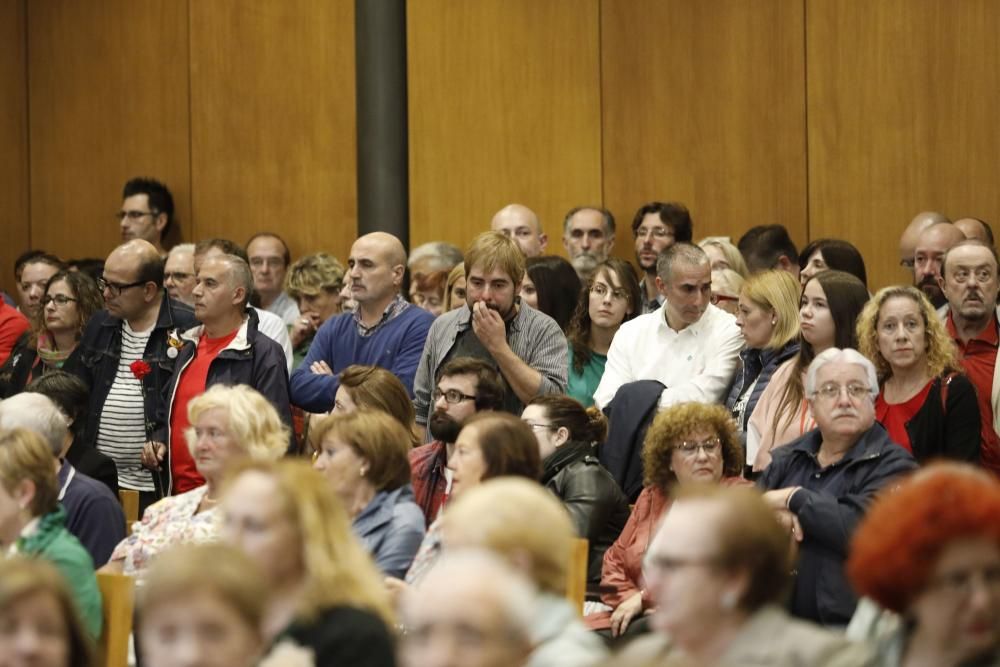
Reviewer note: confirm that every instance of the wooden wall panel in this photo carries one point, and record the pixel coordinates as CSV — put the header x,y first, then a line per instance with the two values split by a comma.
x,y
108,100
902,118
14,230
272,121
504,106
704,104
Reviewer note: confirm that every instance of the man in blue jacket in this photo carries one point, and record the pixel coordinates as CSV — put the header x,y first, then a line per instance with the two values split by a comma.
x,y
384,330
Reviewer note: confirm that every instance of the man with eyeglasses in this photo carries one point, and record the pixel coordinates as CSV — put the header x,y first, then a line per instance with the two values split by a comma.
x,y
820,484
147,212
689,346
127,354
655,227
932,245
178,273
465,386
269,260
970,284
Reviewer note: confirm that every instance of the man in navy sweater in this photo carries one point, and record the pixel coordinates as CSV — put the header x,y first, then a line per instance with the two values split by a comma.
x,y
384,330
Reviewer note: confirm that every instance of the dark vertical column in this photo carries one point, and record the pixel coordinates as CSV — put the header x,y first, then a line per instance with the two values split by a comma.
x,y
380,62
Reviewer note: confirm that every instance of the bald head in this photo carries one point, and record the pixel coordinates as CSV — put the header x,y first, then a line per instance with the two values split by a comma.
x,y
521,224
932,245
135,252
908,239
975,229
375,271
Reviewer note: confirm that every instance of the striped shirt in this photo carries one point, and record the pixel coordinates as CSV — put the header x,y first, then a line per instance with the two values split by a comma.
x,y
122,430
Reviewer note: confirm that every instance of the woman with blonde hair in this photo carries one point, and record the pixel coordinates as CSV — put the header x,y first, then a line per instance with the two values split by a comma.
x,y
925,403
491,516
454,295
228,424
724,255
314,282
206,600
768,318
326,594
35,603
33,523
378,389
365,457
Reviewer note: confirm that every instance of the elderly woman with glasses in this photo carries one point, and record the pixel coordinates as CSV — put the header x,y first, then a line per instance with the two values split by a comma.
x,y
611,298
688,443
820,484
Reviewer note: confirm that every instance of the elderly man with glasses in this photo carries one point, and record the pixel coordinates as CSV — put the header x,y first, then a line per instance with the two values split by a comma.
x,y
821,484
128,352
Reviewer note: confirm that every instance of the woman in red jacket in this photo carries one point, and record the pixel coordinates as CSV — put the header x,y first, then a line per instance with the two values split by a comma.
x,y
687,443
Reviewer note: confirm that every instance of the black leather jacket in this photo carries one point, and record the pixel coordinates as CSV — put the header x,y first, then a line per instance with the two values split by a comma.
x,y
595,502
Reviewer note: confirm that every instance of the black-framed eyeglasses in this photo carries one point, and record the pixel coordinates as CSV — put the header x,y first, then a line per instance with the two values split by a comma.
x,y
451,396
114,289
134,215
60,299
907,263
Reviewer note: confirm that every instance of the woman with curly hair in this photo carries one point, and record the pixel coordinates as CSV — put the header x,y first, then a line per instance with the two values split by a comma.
x,y
611,297
70,299
929,554
927,406
688,443
314,282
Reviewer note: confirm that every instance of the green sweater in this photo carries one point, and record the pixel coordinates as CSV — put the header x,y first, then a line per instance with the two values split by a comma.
x,y
52,542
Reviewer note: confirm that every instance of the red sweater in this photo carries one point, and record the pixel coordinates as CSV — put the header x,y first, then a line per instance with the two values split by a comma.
x,y
12,325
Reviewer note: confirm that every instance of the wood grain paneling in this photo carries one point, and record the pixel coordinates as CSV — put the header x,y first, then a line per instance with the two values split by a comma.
x,y
272,121
14,229
704,104
108,92
902,118
504,106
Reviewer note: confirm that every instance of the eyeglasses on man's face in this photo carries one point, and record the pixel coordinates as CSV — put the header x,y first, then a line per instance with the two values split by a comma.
x,y
831,391
451,396
115,289
134,216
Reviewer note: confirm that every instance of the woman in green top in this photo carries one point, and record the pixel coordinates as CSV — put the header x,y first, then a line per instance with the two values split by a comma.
x,y
610,298
32,520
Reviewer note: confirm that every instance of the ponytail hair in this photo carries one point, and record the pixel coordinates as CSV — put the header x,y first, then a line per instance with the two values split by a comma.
x,y
583,424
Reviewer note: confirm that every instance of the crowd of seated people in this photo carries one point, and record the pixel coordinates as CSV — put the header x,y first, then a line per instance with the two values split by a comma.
x,y
396,459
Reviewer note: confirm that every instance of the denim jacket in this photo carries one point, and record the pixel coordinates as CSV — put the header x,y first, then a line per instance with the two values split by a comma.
x,y
99,351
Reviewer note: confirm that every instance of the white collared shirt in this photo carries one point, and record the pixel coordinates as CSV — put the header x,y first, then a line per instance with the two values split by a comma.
x,y
696,363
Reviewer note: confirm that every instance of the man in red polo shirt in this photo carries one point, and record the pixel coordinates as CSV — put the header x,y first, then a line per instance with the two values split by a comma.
x,y
969,282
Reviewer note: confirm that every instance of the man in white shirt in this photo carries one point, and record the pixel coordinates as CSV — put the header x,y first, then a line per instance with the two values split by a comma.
x,y
269,260
689,345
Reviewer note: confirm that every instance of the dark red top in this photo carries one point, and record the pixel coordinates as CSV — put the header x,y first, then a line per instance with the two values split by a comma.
x,y
190,384
893,416
979,359
12,325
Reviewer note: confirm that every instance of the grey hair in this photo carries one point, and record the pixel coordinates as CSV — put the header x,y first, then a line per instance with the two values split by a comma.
x,y
181,248
511,591
847,355
239,274
438,255
38,414
684,253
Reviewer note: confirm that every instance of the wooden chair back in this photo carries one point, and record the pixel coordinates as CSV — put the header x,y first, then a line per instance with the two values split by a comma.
x,y
117,598
576,574
129,498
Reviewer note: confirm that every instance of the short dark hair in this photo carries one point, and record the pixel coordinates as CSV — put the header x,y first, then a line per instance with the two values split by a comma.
x,y
68,392
763,245
286,255
35,257
606,215
557,285
507,444
160,199
92,266
489,385
225,245
673,214
838,254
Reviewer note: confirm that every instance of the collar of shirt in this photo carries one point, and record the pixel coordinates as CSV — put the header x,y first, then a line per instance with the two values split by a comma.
x,y
395,307
693,329
990,336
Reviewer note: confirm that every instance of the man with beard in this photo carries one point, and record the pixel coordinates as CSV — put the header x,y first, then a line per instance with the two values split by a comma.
x,y
932,245
525,346
908,239
970,285
655,227
465,386
588,236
